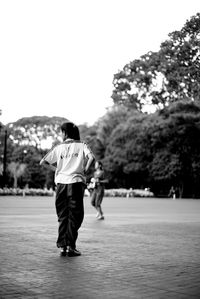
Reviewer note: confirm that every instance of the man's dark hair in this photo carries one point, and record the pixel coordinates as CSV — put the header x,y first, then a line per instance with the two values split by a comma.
x,y
71,130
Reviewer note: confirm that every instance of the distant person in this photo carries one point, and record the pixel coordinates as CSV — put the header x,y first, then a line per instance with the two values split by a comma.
x,y
71,160
172,192
98,190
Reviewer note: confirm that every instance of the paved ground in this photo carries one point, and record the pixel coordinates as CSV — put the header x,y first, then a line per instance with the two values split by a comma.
x,y
145,248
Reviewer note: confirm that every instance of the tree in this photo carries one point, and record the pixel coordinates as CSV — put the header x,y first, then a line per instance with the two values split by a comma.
x,y
38,131
6,149
126,154
17,170
181,61
163,77
157,150
175,141
89,134
105,126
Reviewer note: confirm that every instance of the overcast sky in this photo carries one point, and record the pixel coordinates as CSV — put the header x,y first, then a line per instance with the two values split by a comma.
x,y
58,58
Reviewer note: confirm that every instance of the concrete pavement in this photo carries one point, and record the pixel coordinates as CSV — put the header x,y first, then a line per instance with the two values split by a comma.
x,y
145,248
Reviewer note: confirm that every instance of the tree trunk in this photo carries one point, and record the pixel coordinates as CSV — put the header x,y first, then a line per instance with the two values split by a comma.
x,y
180,190
15,182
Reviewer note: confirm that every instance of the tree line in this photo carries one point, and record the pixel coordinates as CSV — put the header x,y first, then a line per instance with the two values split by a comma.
x,y
138,149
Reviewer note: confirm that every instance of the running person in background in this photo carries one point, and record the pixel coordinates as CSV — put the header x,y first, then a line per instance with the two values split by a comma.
x,y
98,191
71,160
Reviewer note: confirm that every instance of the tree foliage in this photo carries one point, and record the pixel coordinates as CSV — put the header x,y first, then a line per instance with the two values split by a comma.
x,y
105,126
157,150
38,131
16,169
163,77
126,155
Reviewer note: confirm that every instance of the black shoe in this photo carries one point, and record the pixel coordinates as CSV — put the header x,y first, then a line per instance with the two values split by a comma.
x,y
63,251
73,252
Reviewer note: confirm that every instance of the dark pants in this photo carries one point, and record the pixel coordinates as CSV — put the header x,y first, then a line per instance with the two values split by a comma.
x,y
70,212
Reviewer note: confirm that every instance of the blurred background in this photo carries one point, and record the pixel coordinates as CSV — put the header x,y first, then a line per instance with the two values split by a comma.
x,y
128,75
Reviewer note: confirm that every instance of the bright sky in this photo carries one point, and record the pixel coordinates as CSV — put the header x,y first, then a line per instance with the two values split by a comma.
x,y
58,57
